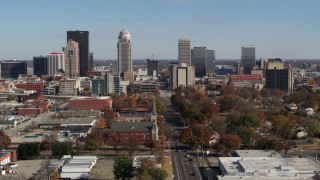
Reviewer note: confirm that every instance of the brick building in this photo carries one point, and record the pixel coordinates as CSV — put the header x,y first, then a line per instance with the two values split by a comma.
x,y
30,86
95,103
29,111
7,156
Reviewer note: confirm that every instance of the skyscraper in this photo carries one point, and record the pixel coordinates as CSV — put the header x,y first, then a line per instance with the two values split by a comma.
x,y
82,37
184,52
124,51
71,51
55,63
40,65
248,58
210,64
198,59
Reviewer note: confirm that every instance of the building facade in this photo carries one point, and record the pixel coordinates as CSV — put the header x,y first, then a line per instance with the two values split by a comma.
x,y
72,59
95,103
153,67
55,63
110,85
248,58
181,75
98,85
40,65
124,52
184,51
210,63
12,68
281,79
198,60
69,87
31,86
82,37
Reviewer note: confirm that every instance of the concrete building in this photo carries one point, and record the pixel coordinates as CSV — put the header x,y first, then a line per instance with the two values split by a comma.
x,y
245,80
69,87
79,113
128,76
181,75
72,59
55,63
117,85
199,61
79,121
95,103
110,85
152,67
40,65
140,87
85,82
12,69
248,58
184,51
124,51
274,63
82,37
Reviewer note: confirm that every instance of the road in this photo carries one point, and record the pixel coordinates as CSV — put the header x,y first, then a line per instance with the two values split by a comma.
x,y
36,120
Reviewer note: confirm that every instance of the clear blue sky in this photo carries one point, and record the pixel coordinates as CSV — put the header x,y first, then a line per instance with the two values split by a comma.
x,y
278,28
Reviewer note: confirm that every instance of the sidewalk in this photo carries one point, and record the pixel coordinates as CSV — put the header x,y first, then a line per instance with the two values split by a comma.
x,y
168,167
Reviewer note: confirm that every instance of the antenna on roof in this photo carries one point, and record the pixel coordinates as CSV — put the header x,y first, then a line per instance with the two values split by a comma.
x,y
153,56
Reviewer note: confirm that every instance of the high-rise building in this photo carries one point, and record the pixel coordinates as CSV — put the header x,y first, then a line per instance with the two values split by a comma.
x,y
181,75
211,58
248,58
71,51
12,68
198,59
117,84
152,66
55,63
40,65
110,85
82,37
124,51
184,51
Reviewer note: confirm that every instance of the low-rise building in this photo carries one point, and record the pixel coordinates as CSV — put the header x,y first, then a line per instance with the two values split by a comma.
x,y
29,111
80,121
95,103
245,80
7,156
79,113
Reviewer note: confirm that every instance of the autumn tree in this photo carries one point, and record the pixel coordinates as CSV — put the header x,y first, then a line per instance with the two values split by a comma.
x,y
5,140
218,124
187,136
313,127
109,116
149,170
229,142
114,140
50,137
284,126
131,144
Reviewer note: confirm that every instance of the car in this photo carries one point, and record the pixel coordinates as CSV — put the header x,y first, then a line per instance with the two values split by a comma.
x,y
193,174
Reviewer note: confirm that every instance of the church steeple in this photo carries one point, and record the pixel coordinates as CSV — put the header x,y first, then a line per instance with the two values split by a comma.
x,y
155,128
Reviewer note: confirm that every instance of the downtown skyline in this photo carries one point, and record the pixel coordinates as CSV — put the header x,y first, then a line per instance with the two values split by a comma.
x,y
288,29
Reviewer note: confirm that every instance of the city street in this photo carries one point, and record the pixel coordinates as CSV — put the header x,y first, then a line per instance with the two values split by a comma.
x,y
35,120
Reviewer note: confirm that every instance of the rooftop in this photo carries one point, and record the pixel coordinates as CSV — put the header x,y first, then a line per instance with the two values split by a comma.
x,y
131,126
90,98
257,153
68,121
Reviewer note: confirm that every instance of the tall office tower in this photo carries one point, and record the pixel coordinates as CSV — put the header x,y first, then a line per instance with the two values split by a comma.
x,y
12,68
198,59
152,66
40,65
211,58
55,63
117,85
181,75
109,78
248,58
124,51
71,52
82,37
184,51
91,60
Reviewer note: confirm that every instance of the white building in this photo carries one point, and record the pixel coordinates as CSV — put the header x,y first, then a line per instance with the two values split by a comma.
x,y
124,51
56,63
69,86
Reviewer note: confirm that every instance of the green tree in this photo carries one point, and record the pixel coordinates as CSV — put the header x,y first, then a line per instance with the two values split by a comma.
x,y
313,127
28,150
61,149
5,140
91,144
122,167
148,171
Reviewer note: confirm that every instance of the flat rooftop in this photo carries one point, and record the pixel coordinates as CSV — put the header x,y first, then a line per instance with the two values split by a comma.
x,y
90,98
257,153
68,121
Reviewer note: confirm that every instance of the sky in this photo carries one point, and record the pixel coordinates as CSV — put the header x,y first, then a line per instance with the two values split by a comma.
x,y
288,29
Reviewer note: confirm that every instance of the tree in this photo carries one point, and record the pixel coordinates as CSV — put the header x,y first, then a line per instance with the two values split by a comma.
x,y
313,127
229,142
109,116
284,126
187,136
50,137
61,149
91,144
115,141
5,140
160,106
46,171
131,144
28,150
122,167
149,170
